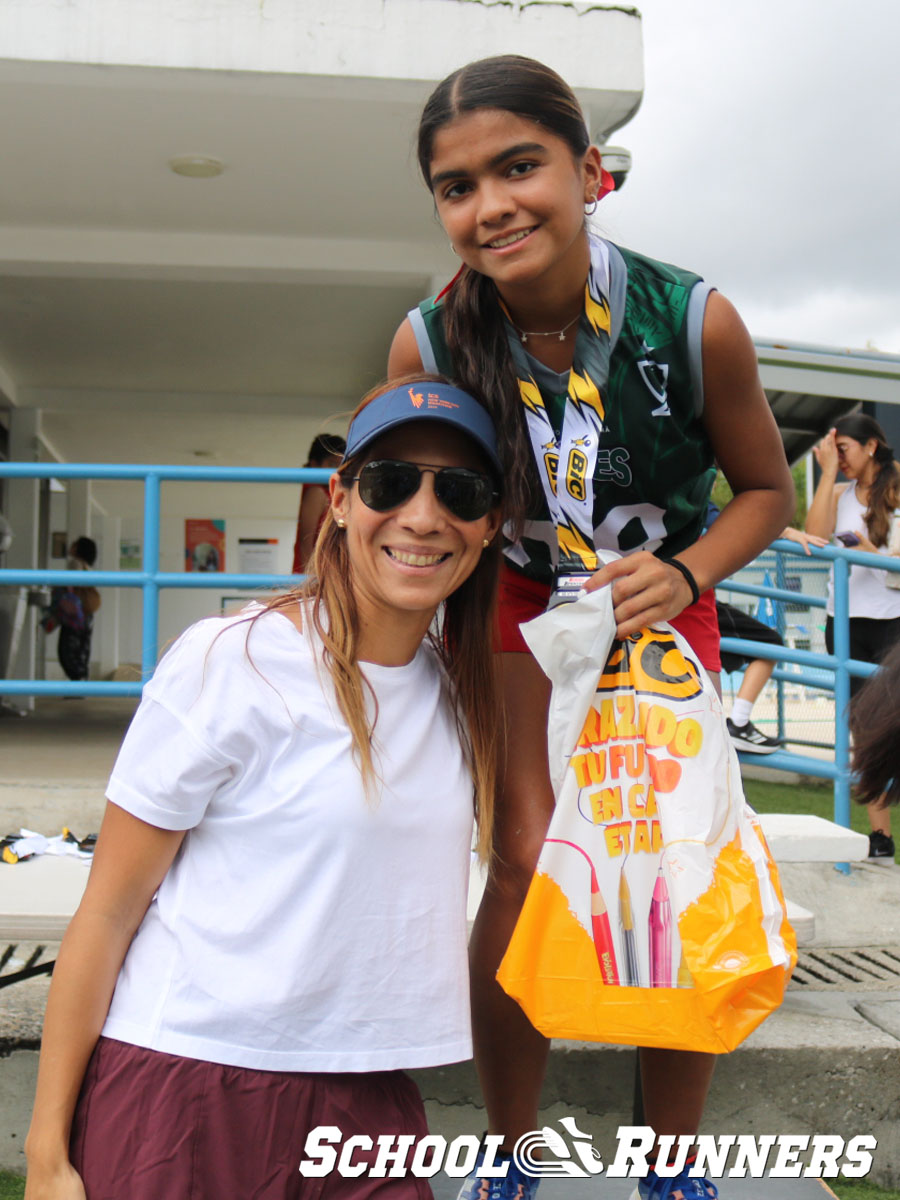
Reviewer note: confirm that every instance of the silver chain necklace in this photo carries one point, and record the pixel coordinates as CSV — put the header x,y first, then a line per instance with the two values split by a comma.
x,y
557,333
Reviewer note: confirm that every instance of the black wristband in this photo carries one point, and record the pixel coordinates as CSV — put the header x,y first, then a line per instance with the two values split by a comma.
x,y
691,581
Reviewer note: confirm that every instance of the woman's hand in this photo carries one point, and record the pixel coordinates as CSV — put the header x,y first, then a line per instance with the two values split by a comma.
x,y
826,452
645,590
59,1182
803,539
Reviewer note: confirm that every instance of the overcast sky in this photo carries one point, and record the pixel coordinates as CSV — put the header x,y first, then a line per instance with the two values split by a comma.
x,y
767,158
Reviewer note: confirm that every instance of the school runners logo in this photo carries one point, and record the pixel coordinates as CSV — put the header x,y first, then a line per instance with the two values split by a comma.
x,y
417,398
546,1153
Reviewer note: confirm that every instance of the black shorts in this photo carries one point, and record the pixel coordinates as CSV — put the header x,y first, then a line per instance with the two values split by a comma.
x,y
733,622
870,640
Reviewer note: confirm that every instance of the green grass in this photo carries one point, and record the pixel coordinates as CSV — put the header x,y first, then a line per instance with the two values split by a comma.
x,y
858,1189
12,1187
802,798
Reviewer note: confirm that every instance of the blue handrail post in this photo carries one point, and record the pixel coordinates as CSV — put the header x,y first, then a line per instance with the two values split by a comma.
x,y
780,623
150,621
841,696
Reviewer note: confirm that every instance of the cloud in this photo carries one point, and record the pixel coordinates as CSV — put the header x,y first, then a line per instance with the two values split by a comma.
x,y
764,157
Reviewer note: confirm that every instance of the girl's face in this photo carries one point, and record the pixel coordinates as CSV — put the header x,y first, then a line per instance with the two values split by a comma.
x,y
853,456
511,197
410,558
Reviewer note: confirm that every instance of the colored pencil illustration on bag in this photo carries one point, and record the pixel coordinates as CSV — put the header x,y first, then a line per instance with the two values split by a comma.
x,y
626,925
600,926
660,925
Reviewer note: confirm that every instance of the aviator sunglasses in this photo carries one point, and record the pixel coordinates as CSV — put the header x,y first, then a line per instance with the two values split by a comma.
x,y
386,483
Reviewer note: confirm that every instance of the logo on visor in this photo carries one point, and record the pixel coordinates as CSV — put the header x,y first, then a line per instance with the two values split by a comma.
x,y
417,398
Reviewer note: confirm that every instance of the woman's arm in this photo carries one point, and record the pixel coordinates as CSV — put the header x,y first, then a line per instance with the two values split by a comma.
x,y
130,860
748,448
823,511
404,357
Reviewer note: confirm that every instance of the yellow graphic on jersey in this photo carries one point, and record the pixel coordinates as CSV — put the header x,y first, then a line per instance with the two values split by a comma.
x,y
551,466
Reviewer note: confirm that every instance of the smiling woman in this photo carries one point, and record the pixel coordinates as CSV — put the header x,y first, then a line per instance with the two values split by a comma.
x,y
274,928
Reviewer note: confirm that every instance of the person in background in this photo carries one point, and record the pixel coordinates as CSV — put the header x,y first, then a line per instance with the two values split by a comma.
x,y
875,726
735,623
274,927
73,609
859,514
325,452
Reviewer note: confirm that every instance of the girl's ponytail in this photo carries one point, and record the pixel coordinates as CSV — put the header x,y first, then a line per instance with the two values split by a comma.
x,y
476,338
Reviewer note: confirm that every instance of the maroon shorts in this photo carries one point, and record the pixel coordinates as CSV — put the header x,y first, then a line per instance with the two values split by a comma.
x,y
522,598
153,1126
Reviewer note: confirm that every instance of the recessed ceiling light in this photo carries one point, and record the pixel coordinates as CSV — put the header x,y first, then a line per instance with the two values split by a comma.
x,y
197,166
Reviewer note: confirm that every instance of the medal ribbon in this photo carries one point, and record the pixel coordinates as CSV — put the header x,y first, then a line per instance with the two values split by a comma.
x,y
566,464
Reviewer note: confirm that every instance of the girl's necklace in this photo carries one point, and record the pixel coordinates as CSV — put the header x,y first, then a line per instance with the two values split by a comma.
x,y
557,333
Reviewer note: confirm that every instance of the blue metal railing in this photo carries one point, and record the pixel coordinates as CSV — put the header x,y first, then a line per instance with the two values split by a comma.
x,y
826,671
149,579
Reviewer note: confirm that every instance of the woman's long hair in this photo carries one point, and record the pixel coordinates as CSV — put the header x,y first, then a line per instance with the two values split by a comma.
x,y
473,321
884,492
462,637
875,725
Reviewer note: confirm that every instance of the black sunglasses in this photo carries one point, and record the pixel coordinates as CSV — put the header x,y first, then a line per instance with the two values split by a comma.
x,y
386,483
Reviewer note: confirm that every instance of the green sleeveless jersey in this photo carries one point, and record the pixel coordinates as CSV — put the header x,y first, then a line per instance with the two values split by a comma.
x,y
654,467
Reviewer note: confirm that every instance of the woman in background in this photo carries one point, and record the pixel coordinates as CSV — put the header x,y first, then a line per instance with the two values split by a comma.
x,y
859,514
325,453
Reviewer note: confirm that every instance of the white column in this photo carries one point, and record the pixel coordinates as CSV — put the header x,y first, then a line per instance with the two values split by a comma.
x,y
78,509
21,510
106,622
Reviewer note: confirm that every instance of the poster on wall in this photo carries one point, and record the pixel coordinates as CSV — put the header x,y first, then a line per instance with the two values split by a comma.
x,y
204,544
258,556
129,554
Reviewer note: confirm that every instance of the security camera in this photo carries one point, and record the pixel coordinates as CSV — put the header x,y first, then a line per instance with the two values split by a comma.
x,y
616,160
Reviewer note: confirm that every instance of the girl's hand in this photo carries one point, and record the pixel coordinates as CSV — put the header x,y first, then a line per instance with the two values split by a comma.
x,y
803,539
61,1182
644,590
826,452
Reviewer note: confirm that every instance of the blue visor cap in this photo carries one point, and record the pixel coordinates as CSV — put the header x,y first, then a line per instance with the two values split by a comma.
x,y
423,402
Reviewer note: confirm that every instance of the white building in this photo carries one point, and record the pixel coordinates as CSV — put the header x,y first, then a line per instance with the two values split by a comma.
x,y
147,316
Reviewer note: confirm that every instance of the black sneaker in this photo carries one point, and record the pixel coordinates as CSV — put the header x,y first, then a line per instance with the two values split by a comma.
x,y
749,739
881,845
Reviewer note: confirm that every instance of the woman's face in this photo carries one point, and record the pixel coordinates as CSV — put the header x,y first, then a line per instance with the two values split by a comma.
x,y
511,196
853,456
410,558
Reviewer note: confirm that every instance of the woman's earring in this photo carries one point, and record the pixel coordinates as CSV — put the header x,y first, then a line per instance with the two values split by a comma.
x,y
453,248
341,523
485,543
590,207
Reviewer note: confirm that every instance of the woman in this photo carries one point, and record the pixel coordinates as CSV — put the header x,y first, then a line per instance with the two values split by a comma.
x,y
859,513
274,926
325,452
615,383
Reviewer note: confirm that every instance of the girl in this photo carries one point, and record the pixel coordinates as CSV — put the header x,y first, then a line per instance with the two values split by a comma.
x,y
274,926
862,509
615,383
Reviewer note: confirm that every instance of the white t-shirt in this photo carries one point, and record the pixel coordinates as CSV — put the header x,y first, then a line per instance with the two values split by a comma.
x,y
302,926
869,595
